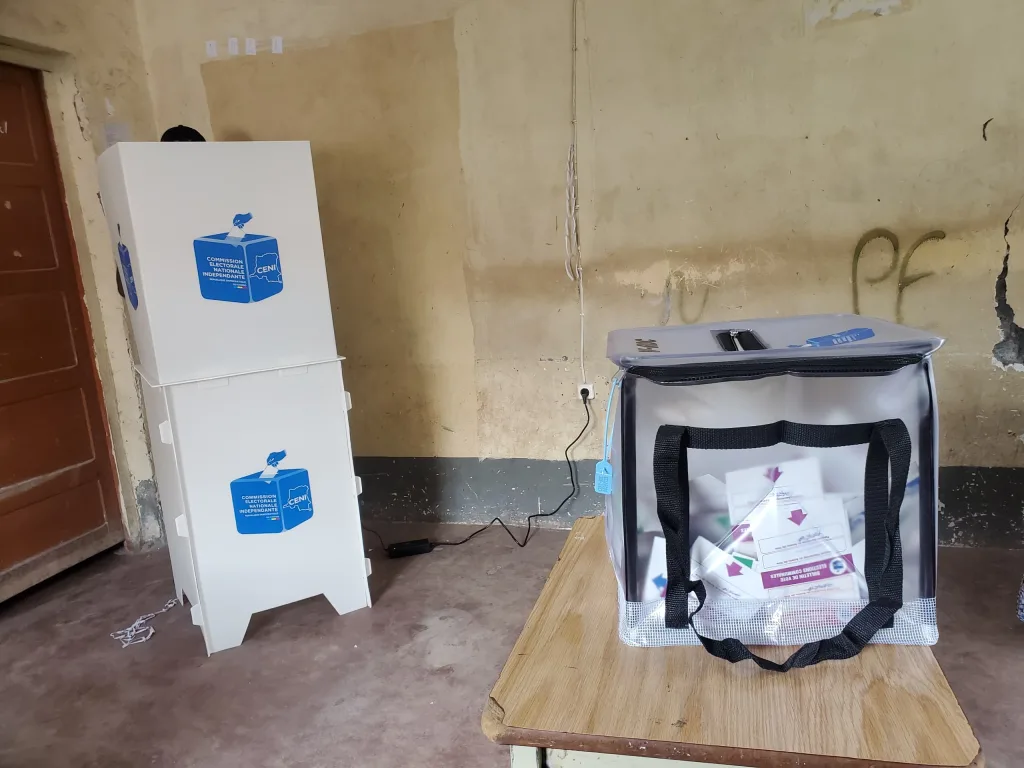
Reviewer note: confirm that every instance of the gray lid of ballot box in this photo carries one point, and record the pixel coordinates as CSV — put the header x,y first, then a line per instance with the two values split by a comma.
x,y
785,338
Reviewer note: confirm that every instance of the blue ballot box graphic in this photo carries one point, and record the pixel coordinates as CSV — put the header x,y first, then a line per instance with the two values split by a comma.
x,y
273,500
125,258
234,266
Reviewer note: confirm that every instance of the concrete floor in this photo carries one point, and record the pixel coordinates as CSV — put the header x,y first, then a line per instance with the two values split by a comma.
x,y
401,684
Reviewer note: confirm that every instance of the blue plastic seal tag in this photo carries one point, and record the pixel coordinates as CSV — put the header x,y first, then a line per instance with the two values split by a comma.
x,y
603,477
603,473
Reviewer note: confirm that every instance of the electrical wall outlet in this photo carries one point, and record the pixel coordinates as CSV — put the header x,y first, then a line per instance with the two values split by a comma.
x,y
590,391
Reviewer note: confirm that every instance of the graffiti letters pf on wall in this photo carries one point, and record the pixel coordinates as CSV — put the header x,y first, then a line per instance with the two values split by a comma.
x,y
899,265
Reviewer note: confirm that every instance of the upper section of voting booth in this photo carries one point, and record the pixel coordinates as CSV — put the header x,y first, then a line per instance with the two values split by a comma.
x,y
220,256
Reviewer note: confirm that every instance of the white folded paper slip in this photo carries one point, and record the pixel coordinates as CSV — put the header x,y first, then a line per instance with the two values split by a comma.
x,y
747,488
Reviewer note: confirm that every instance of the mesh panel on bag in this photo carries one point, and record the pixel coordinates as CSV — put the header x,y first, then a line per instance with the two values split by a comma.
x,y
793,621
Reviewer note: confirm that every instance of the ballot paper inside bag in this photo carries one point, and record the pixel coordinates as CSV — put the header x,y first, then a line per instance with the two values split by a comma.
x,y
747,488
803,546
725,576
798,535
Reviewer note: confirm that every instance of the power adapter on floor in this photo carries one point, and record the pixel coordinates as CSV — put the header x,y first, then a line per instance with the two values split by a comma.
x,y
409,548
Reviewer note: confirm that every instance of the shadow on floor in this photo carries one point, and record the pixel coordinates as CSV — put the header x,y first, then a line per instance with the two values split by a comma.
x,y
401,684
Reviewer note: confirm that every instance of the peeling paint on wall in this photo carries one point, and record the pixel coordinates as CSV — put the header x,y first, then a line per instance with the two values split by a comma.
x,y
1009,350
660,274
824,12
681,280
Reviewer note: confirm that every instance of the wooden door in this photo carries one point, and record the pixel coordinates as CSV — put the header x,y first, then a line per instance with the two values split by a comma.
x,y
58,501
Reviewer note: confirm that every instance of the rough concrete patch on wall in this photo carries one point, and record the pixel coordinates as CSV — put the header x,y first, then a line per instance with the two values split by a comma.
x,y
824,12
381,111
1009,350
683,277
151,522
662,274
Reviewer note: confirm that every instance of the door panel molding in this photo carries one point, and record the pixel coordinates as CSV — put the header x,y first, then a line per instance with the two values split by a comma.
x,y
59,497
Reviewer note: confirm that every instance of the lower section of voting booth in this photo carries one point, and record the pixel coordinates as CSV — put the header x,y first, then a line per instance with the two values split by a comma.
x,y
259,497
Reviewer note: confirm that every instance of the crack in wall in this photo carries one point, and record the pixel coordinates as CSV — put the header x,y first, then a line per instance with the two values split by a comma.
x,y
78,102
1009,350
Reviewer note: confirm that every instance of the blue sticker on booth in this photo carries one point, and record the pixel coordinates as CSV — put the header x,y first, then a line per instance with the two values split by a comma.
x,y
238,267
273,500
603,477
125,259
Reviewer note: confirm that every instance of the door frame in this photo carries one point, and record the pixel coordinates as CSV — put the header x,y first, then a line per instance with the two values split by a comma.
x,y
106,323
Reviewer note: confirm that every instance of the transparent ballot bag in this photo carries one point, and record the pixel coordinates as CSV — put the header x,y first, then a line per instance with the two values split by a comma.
x,y
773,482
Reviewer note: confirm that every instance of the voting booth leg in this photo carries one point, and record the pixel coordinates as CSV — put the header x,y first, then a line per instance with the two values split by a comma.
x,y
222,629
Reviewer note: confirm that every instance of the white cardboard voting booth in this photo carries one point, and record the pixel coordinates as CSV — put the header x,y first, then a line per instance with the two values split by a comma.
x,y
258,495
219,252
220,255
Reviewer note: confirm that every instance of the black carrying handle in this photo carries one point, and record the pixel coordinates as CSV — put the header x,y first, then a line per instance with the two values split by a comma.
x,y
888,447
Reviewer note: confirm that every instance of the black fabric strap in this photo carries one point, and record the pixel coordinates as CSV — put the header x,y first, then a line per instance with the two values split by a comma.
x,y
885,481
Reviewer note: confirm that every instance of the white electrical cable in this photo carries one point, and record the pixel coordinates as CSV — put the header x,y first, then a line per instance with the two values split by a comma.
x,y
573,257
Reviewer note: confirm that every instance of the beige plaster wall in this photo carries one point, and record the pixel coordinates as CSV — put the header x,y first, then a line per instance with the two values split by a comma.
x,y
732,154
94,76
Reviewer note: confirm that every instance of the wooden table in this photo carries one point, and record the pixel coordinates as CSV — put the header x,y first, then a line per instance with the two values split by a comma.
x,y
571,689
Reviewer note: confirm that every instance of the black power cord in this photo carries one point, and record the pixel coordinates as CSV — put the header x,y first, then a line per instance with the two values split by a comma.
x,y
572,495
422,546
382,544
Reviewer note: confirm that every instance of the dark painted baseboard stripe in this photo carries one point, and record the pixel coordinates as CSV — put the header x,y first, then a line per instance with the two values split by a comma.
x,y
979,506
